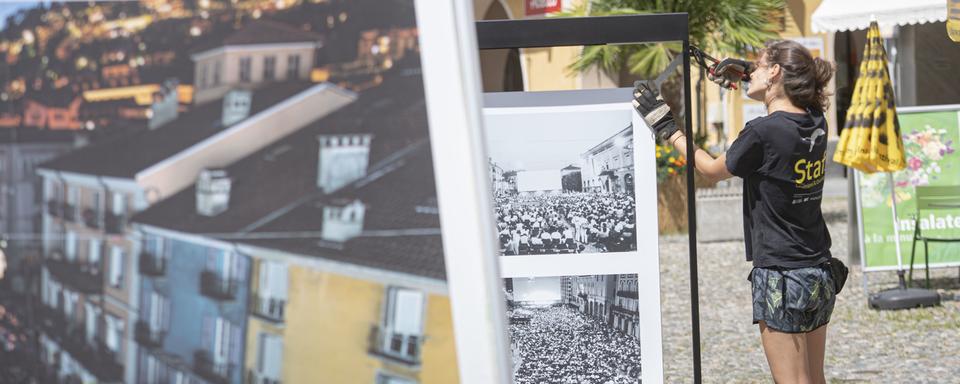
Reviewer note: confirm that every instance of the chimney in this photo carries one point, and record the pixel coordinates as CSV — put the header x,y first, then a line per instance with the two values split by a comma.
x,y
165,105
342,159
236,106
213,192
342,220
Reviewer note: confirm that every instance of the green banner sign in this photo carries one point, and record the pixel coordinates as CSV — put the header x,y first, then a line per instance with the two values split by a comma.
x,y
931,136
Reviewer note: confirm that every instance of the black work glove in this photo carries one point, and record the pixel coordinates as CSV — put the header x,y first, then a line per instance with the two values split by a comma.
x,y
728,72
656,113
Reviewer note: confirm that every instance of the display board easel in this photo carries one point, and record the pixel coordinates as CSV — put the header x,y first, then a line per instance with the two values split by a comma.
x,y
613,30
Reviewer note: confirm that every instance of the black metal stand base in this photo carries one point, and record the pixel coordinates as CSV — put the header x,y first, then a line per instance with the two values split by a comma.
x,y
903,298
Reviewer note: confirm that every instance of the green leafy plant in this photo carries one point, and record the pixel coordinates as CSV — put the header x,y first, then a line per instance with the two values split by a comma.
x,y
720,27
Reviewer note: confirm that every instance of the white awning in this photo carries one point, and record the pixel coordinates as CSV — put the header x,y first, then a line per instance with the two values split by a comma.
x,y
848,15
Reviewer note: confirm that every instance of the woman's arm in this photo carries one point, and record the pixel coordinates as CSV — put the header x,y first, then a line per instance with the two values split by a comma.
x,y
714,169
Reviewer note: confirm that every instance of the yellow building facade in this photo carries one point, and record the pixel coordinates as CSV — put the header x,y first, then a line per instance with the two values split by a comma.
x,y
334,324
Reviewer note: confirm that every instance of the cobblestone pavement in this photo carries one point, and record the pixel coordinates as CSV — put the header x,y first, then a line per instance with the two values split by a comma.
x,y
863,345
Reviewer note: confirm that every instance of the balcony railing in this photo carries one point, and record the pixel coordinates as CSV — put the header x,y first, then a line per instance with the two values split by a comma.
x,y
395,346
628,294
115,224
95,356
152,265
269,308
82,276
217,373
217,287
254,377
91,218
147,336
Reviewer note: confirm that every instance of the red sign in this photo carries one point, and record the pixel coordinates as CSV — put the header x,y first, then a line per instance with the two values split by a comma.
x,y
541,7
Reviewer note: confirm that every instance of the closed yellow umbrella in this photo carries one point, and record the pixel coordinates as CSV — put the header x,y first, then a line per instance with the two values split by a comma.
x,y
870,140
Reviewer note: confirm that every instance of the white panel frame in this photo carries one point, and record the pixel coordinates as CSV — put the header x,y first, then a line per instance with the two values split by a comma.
x,y
644,262
451,72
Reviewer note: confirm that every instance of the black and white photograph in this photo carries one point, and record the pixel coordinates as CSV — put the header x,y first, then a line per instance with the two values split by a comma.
x,y
563,181
574,329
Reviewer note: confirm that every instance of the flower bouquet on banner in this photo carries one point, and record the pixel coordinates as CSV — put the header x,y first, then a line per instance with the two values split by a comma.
x,y
871,142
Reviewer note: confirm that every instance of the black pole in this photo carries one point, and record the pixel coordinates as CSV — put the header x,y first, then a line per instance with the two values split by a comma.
x,y
692,217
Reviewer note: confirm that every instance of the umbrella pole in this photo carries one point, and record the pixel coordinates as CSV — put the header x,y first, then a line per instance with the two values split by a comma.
x,y
896,230
901,297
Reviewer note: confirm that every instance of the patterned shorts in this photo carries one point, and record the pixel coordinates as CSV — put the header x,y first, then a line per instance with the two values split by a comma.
x,y
792,300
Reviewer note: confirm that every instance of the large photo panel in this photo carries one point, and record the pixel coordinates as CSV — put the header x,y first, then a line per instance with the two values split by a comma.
x,y
573,180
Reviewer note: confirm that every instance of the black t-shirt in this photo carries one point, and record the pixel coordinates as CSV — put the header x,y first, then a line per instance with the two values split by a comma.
x,y
782,160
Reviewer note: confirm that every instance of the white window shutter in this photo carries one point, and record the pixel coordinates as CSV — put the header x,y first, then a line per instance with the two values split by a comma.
x,y
156,311
116,265
408,312
119,203
274,356
221,338
93,252
91,320
72,195
278,281
71,245
112,337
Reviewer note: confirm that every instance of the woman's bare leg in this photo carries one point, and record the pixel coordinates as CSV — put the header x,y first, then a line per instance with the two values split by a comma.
x,y
816,344
787,355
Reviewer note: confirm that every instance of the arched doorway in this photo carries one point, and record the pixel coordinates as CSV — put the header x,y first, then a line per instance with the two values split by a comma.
x,y
500,68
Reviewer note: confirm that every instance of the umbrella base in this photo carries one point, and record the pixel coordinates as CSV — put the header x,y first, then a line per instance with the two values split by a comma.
x,y
904,298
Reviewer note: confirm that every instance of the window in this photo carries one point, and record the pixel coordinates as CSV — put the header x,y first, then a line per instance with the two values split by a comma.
x,y
273,280
245,69
90,322
70,246
152,370
269,356
159,308
56,290
293,67
221,341
119,204
114,331
116,266
93,252
73,194
69,303
404,323
269,67
271,296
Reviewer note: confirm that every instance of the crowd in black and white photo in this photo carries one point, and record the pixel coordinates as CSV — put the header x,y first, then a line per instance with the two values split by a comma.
x,y
565,223
558,344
